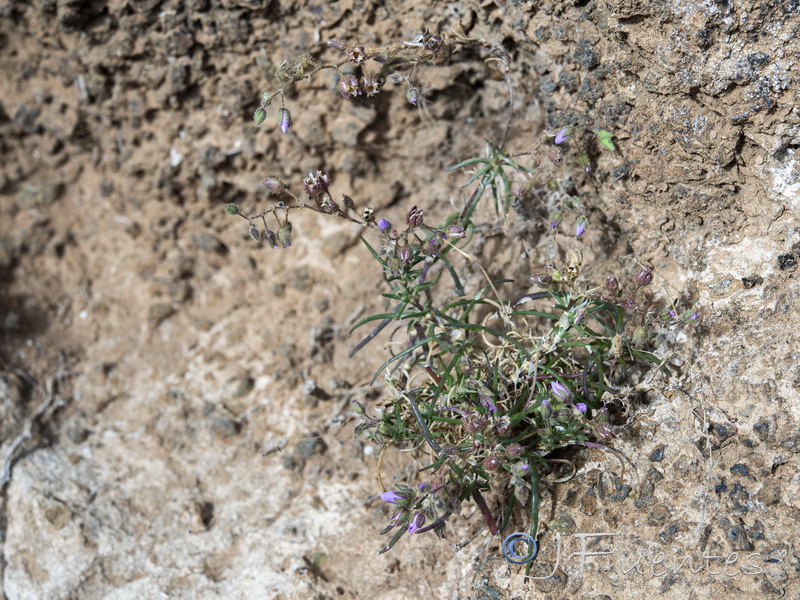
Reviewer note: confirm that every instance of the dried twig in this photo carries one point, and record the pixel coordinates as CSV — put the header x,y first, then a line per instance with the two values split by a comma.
x,y
50,398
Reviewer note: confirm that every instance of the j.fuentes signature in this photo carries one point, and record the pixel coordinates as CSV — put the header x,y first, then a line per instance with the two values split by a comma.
x,y
656,564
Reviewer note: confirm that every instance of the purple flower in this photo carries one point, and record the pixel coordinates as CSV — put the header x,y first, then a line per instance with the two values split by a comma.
x,y
490,406
417,521
370,85
285,119
520,469
391,496
348,86
580,227
563,135
581,407
357,54
560,391
384,225
316,182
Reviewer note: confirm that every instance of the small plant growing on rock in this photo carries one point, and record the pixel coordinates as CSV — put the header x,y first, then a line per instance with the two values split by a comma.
x,y
488,388
485,386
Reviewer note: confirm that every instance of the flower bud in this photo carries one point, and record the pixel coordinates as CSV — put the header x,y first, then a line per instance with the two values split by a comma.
x,y
384,225
612,283
580,226
644,277
285,235
520,469
254,233
270,238
395,266
412,95
265,100
358,408
232,209
417,521
513,450
491,464
274,185
555,219
542,281
259,115
639,337
560,391
285,119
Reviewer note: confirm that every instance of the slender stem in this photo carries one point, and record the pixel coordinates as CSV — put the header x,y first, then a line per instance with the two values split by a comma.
x,y
534,509
425,431
487,514
510,110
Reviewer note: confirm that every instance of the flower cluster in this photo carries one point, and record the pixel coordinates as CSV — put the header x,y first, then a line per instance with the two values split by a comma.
x,y
351,86
405,248
425,507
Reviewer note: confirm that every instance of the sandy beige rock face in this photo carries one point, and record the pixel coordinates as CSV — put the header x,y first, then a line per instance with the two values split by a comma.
x,y
202,445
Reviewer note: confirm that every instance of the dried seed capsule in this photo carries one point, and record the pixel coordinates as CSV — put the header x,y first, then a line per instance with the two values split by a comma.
x,y
414,216
644,277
